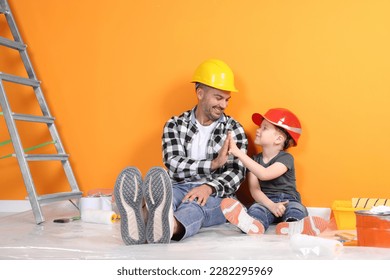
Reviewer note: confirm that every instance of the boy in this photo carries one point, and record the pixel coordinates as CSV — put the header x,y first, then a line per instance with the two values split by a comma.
x,y
271,180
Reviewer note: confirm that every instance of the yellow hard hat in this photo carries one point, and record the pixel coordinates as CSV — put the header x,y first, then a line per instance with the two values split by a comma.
x,y
215,73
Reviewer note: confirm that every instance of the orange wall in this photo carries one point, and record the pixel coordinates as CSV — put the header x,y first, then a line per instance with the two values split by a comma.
x,y
114,72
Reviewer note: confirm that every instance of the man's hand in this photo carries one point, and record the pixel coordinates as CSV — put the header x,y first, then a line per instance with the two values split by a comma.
x,y
222,157
200,194
233,149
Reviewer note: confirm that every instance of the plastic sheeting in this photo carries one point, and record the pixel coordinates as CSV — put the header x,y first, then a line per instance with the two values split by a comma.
x,y
21,238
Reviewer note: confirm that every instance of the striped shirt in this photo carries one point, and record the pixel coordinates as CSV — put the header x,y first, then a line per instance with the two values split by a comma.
x,y
177,142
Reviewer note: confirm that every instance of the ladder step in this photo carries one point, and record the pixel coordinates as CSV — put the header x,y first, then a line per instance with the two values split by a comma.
x,y
12,44
41,157
31,118
19,80
59,196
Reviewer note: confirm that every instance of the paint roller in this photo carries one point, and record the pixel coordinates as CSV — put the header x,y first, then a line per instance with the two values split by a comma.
x,y
99,216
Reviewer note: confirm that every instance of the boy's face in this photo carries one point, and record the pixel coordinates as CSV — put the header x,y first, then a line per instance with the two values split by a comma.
x,y
267,134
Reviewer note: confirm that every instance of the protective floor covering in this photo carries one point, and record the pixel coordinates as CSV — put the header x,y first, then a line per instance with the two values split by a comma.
x,y
21,238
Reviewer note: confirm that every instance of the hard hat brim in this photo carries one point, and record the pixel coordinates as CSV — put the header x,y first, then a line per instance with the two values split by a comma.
x,y
257,118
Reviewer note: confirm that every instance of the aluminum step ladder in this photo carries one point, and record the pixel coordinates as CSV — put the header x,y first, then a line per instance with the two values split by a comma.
x,y
10,118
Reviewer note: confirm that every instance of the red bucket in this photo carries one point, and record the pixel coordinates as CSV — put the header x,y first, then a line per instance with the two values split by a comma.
x,y
373,230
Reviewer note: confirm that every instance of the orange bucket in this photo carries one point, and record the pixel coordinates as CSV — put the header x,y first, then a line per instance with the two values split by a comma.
x,y
373,230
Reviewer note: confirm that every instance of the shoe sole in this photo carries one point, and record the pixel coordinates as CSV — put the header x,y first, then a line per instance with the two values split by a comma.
x,y
158,198
128,197
311,225
235,213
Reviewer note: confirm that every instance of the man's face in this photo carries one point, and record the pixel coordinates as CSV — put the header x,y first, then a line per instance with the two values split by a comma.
x,y
212,103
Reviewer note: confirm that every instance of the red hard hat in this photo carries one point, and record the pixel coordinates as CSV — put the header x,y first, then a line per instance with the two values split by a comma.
x,y
282,118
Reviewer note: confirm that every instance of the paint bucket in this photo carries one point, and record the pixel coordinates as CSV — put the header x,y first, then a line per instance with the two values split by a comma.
x,y
373,230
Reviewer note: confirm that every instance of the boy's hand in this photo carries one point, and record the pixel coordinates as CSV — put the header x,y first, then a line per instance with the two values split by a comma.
x,y
279,208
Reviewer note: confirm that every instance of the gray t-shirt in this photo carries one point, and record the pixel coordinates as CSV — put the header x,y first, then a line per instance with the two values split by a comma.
x,y
283,184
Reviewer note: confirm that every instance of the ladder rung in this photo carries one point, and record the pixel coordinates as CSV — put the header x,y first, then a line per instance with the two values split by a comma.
x,y
31,118
12,44
40,157
19,80
59,196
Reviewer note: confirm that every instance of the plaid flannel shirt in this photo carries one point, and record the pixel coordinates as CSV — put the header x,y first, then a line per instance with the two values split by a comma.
x,y
176,143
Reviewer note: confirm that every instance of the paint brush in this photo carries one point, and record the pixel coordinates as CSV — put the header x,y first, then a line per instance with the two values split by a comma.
x,y
66,220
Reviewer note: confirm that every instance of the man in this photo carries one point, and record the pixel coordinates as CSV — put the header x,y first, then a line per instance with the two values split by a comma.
x,y
200,171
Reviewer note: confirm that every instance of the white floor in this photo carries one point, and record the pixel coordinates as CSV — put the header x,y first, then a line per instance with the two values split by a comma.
x,y
21,238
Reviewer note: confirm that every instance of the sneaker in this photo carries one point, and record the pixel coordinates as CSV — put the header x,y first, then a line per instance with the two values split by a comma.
x,y
235,213
158,198
310,225
129,197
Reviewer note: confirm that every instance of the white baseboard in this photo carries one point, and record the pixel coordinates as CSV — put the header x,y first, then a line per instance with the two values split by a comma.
x,y
14,206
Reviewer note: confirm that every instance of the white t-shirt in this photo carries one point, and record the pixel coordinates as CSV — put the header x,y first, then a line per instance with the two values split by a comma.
x,y
200,140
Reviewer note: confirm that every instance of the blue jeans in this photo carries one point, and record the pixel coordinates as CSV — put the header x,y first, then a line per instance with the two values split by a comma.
x,y
193,216
295,210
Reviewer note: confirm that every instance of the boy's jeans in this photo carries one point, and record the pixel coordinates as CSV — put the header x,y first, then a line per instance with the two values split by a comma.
x,y
295,210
